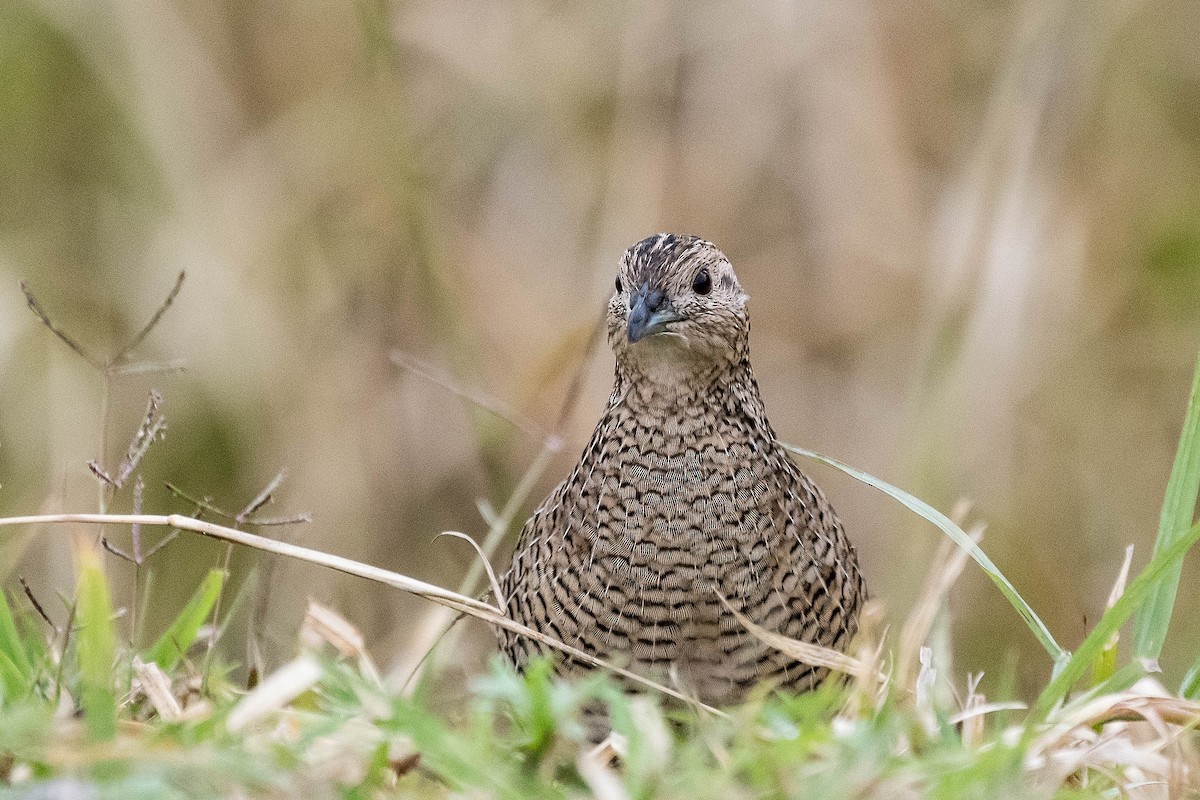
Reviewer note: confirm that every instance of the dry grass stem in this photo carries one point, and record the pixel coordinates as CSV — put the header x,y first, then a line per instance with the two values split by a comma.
x,y
452,600
501,600
62,335
1123,735
1118,589
947,566
156,686
605,784
140,336
610,750
113,366
433,626
279,688
148,367
326,625
33,601
262,498
975,710
808,653
484,401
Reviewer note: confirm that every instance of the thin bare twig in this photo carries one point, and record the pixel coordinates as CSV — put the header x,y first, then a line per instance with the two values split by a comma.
x,y
135,535
154,320
507,514
166,540
205,505
116,551
504,412
429,651
552,443
152,426
137,557
62,662
113,365
36,605
276,522
571,399
263,497
63,336
148,367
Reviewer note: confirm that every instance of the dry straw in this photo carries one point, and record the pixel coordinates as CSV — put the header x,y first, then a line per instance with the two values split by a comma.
x,y
445,597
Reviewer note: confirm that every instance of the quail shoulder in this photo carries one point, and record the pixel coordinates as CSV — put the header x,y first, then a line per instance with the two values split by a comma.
x,y
683,497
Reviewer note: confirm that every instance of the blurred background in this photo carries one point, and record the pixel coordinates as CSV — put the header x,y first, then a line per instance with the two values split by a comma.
x,y
970,232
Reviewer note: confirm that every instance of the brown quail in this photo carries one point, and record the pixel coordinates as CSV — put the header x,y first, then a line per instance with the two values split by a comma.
x,y
683,496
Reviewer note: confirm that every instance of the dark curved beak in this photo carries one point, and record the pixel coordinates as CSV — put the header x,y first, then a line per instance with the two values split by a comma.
x,y
649,313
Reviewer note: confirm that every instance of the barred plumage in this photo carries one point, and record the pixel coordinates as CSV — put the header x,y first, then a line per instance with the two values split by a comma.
x,y
683,496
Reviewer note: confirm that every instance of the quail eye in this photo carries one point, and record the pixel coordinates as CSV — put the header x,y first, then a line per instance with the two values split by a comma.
x,y
702,283
619,288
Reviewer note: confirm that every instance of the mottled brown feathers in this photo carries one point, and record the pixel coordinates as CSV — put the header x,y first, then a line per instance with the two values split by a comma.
x,y
683,495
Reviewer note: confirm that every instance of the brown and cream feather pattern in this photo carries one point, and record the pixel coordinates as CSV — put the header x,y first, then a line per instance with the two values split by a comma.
x,y
683,496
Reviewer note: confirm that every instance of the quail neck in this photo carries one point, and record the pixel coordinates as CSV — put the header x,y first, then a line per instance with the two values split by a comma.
x,y
683,501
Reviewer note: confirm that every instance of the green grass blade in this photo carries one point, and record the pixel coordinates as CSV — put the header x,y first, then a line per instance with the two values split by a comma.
x,y
1190,688
1133,598
12,681
1105,664
960,537
1122,679
18,672
95,648
1178,513
34,638
171,646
